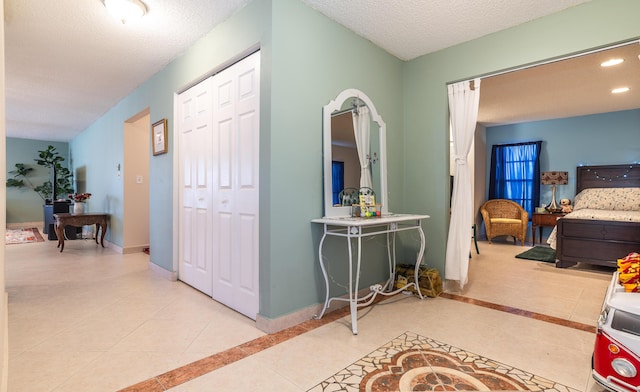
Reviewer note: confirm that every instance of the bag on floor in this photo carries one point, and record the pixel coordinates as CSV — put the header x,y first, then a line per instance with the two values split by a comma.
x,y
429,279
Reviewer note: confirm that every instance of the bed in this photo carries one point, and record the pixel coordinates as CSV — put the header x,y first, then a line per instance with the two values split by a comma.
x,y
605,223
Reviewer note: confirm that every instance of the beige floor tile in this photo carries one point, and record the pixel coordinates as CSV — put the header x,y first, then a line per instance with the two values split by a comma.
x,y
97,333
223,333
89,319
497,276
112,371
246,375
310,358
35,372
161,336
27,332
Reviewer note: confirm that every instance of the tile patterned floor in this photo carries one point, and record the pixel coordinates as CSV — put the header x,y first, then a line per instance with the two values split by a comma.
x,y
382,370
412,362
90,319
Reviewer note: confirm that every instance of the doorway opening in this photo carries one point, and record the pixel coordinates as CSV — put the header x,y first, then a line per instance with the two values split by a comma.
x,y
134,174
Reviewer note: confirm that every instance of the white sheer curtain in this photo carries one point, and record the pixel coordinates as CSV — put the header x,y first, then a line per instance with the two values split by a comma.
x,y
463,109
361,129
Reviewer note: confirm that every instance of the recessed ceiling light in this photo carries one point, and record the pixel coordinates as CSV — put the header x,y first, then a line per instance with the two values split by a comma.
x,y
125,10
620,90
611,62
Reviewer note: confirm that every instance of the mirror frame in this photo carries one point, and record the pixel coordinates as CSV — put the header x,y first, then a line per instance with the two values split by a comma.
x,y
334,106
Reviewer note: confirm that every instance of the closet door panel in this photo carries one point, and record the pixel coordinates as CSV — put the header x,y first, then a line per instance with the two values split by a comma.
x,y
195,179
236,137
219,134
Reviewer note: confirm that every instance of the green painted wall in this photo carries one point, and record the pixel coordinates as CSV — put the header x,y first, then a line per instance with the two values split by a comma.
x,y
99,148
24,204
314,59
590,25
306,60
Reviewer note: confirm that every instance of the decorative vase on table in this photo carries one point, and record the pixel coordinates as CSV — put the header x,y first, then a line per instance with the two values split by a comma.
x,y
79,199
78,208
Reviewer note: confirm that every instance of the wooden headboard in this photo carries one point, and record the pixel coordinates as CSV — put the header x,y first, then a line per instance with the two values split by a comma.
x,y
608,176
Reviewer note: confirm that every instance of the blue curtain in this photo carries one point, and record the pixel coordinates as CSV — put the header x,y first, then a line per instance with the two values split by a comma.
x,y
337,178
515,173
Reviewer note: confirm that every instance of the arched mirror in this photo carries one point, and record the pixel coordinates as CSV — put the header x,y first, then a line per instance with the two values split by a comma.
x,y
355,151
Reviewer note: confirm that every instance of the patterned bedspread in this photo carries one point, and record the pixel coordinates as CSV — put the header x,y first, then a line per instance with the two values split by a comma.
x,y
608,204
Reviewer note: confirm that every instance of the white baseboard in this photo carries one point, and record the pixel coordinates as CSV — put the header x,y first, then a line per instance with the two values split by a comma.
x,y
170,275
277,324
111,245
124,251
299,316
134,249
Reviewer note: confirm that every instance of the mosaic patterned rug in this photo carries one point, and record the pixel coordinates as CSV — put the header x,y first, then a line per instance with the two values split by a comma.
x,y
412,362
23,236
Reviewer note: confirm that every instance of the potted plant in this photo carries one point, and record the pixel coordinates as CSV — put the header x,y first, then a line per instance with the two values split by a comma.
x,y
61,177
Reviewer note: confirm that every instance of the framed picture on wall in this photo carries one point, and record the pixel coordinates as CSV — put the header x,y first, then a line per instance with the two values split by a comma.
x,y
159,137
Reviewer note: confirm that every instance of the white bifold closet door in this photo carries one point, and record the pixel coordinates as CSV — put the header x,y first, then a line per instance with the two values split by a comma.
x,y
219,129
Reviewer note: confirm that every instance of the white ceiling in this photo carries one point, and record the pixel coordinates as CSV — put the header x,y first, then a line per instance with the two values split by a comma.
x,y
410,28
571,87
68,61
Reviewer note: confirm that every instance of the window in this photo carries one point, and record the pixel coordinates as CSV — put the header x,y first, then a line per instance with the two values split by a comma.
x,y
337,178
626,322
515,173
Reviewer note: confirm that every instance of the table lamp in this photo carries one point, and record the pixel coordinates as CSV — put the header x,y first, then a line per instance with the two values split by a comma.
x,y
554,178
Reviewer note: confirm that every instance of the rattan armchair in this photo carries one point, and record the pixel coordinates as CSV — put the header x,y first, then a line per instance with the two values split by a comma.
x,y
505,217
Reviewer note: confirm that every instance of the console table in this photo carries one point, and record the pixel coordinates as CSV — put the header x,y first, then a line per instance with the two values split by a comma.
x,y
66,219
352,228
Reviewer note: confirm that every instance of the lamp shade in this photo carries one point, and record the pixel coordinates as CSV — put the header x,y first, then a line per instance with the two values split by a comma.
x,y
554,178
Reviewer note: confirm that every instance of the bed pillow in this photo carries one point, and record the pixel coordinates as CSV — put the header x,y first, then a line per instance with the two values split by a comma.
x,y
617,199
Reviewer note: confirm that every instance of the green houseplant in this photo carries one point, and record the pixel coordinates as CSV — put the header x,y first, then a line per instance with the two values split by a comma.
x,y
61,177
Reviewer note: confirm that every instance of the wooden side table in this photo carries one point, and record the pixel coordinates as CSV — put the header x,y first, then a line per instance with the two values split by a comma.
x,y
541,220
65,219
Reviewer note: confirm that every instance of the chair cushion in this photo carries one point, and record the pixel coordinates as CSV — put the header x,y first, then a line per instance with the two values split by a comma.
x,y
506,220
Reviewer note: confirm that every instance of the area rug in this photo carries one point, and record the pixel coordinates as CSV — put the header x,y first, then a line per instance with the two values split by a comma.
x,y
23,236
412,362
539,253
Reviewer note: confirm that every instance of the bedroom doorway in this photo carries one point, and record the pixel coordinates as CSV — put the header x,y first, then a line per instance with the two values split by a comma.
x,y
540,91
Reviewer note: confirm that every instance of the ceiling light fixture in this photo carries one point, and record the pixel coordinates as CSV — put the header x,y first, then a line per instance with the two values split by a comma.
x,y
125,10
611,62
620,90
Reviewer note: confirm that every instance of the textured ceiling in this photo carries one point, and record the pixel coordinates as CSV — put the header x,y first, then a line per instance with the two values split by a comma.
x,y
410,28
68,61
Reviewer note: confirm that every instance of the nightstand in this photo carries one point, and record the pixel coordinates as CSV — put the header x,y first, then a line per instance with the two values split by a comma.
x,y
543,220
